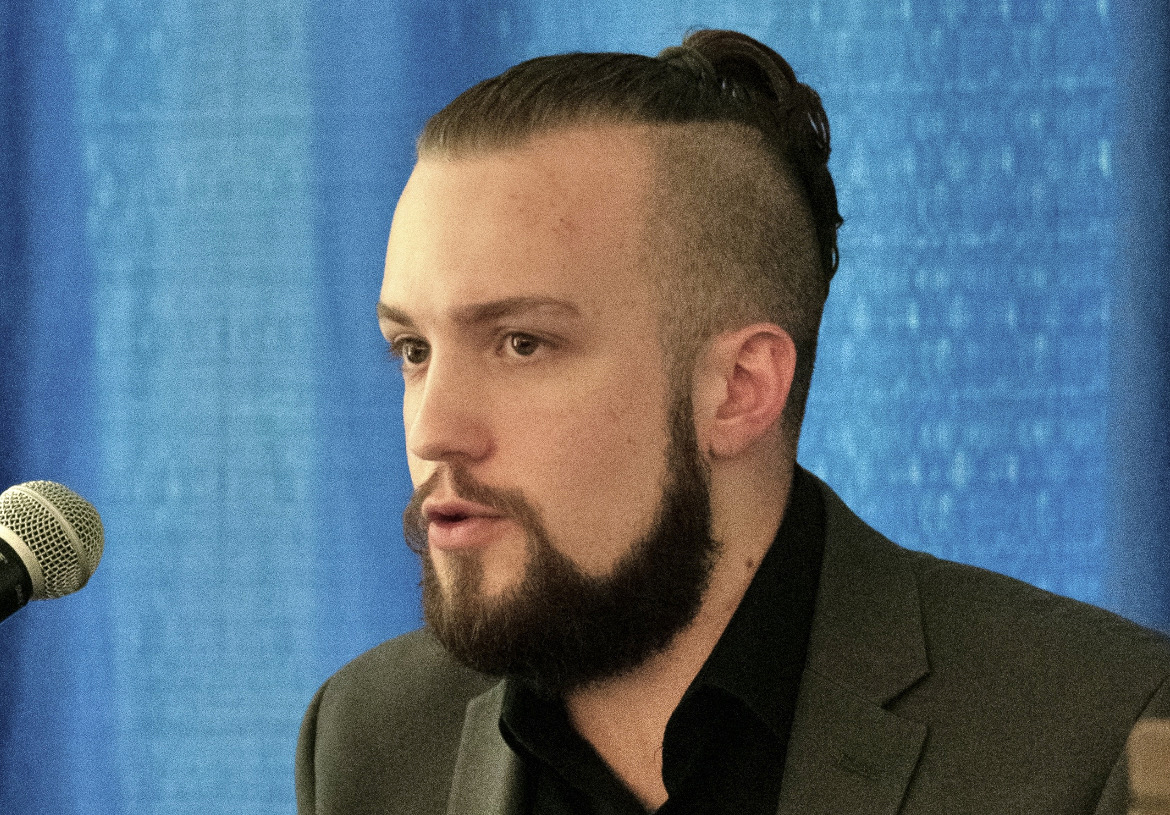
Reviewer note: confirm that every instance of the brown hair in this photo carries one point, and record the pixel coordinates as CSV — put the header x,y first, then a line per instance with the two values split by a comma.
x,y
747,198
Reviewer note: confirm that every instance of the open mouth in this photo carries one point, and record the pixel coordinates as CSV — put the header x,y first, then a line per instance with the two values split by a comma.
x,y
458,524
455,524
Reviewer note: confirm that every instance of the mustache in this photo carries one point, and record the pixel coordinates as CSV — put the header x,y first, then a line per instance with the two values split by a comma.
x,y
507,502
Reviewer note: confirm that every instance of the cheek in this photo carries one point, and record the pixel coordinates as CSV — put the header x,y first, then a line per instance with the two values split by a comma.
x,y
597,469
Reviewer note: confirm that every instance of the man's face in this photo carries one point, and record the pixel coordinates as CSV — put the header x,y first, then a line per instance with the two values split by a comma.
x,y
557,481
515,293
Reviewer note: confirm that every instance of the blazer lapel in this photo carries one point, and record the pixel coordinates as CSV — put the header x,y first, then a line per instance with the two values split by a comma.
x,y
488,775
848,754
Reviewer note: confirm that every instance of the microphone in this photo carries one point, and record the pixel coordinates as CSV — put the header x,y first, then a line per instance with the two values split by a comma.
x,y
50,543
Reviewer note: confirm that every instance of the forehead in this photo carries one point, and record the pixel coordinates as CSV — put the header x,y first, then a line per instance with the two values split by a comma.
x,y
563,216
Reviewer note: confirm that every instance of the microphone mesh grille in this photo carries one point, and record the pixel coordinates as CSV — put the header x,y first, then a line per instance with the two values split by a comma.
x,y
67,552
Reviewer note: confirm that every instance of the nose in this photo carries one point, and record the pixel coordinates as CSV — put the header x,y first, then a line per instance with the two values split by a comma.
x,y
445,415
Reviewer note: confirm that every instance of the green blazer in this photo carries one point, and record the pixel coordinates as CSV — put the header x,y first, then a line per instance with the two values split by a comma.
x,y
930,687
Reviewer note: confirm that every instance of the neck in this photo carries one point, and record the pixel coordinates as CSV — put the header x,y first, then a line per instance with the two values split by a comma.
x,y
625,717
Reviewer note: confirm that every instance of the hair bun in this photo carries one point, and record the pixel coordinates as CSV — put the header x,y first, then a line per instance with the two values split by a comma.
x,y
738,58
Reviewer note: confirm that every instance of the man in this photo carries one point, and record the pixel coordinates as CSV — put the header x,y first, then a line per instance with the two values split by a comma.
x,y
604,281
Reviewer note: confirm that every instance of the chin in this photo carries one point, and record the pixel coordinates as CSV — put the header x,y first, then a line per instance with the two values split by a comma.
x,y
478,574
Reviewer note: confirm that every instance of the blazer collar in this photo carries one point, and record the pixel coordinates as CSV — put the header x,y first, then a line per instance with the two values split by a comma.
x,y
848,754
867,629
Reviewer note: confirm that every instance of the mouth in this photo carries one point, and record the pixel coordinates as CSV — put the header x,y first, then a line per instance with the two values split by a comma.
x,y
457,524
454,511
441,517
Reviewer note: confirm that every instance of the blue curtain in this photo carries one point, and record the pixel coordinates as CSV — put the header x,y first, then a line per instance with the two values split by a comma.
x,y
194,200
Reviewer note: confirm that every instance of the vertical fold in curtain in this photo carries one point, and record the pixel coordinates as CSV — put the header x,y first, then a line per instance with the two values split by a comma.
x,y
1140,386
56,721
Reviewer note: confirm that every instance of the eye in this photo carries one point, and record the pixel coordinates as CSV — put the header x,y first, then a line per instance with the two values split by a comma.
x,y
523,345
411,350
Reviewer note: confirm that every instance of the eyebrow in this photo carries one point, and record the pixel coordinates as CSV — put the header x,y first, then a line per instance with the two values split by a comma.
x,y
478,313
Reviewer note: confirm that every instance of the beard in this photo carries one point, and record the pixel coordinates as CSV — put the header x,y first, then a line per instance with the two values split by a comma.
x,y
559,628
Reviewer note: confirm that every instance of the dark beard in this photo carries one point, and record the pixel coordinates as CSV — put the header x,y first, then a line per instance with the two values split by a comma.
x,y
561,629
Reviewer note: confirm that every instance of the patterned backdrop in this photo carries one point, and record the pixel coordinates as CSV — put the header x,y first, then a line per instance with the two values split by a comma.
x,y
195,203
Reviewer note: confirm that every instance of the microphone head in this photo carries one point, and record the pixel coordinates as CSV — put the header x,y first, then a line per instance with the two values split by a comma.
x,y
56,532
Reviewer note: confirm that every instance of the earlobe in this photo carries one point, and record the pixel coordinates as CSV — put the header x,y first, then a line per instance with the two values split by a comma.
x,y
741,388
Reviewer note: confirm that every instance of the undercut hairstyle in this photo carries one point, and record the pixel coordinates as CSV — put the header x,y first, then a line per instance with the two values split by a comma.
x,y
743,219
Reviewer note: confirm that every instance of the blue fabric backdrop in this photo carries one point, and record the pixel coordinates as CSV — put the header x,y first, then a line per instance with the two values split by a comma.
x,y
194,200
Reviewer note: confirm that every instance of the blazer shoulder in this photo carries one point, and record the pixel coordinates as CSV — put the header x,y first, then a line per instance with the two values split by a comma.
x,y
990,613
382,734
1025,670
1027,697
412,672
982,611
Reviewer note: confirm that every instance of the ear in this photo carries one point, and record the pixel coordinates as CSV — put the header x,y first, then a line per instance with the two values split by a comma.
x,y
741,385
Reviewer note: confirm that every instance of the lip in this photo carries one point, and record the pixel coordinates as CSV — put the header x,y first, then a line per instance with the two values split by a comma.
x,y
458,524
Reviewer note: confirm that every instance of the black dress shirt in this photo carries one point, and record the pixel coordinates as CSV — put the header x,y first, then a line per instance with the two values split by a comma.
x,y
726,741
